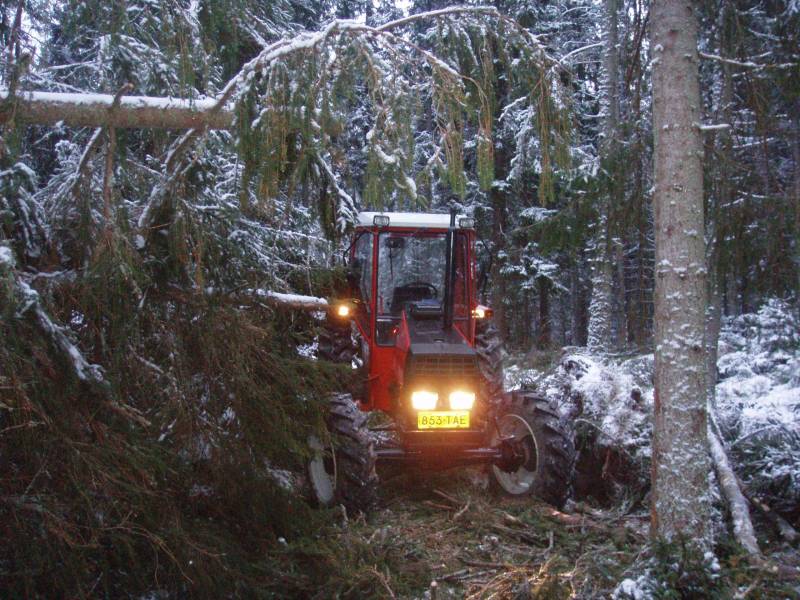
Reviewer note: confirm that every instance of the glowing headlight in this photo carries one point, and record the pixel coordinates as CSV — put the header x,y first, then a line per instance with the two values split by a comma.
x,y
343,310
422,400
462,400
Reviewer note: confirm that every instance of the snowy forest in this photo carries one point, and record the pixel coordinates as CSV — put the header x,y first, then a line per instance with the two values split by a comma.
x,y
180,183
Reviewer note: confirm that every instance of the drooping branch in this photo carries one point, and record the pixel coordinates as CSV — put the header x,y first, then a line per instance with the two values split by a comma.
x,y
29,304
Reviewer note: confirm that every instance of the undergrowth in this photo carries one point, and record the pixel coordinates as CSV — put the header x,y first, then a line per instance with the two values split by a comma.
x,y
443,528
167,478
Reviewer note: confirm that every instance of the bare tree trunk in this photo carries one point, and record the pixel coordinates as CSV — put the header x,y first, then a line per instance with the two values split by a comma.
x,y
681,463
715,228
600,312
796,192
544,328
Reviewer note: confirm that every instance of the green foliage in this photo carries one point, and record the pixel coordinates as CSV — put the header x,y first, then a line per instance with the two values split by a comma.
x,y
167,476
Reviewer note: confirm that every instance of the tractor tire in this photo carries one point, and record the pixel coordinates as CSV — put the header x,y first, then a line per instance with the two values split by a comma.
x,y
335,342
344,474
547,446
490,351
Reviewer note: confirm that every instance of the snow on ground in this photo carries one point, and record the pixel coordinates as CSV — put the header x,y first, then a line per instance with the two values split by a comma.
x,y
6,256
757,401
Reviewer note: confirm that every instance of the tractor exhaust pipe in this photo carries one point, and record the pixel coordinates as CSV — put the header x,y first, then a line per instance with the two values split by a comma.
x,y
450,272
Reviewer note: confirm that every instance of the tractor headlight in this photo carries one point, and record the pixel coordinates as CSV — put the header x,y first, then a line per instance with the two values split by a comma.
x,y
422,400
460,400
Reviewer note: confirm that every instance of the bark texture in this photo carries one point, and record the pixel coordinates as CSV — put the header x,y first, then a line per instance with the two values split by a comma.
x,y
681,463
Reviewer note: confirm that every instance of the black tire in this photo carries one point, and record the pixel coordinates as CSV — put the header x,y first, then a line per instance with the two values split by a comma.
x,y
335,342
548,474
354,479
490,351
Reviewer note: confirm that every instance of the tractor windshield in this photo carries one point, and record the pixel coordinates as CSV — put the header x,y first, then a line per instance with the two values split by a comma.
x,y
411,267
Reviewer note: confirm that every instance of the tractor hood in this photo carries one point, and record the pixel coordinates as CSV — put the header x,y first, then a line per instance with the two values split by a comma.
x,y
426,336
435,353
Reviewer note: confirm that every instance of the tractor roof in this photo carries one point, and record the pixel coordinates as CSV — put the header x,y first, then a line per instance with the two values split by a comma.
x,y
417,220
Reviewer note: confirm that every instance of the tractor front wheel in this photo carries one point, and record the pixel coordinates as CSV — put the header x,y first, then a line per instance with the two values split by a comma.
x,y
343,471
538,451
335,342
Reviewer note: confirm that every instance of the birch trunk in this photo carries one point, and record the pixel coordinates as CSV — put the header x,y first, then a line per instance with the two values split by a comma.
x,y
681,463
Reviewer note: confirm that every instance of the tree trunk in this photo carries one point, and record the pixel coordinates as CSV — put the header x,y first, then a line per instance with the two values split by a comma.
x,y
545,340
796,192
600,314
94,110
722,157
681,464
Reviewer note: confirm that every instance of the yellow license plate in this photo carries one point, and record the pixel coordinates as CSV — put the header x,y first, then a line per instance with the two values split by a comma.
x,y
445,419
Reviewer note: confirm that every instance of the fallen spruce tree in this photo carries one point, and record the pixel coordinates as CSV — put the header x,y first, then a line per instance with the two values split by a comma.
x,y
155,381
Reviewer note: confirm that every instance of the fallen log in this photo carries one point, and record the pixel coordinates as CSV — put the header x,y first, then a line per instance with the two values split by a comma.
x,y
293,301
94,110
728,483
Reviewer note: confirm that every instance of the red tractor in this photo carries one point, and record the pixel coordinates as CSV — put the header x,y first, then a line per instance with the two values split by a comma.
x,y
431,360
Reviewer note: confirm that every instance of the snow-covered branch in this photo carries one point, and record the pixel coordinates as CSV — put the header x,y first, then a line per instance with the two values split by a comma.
x,y
747,64
715,127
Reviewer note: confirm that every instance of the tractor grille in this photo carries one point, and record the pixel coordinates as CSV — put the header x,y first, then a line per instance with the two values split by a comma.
x,y
445,366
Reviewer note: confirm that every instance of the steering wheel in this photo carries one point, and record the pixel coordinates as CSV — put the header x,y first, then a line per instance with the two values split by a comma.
x,y
421,284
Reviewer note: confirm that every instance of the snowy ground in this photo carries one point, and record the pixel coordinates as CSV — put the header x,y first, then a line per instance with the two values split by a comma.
x,y
757,402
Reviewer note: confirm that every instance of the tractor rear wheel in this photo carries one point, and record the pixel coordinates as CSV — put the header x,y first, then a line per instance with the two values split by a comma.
x,y
490,351
343,472
539,454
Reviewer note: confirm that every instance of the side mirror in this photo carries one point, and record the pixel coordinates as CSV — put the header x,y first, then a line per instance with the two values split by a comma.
x,y
353,275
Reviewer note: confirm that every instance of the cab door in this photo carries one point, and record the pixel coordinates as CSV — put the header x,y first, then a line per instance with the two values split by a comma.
x,y
361,263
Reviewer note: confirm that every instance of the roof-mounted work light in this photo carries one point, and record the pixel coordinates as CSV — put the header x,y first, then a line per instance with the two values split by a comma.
x,y
380,221
466,223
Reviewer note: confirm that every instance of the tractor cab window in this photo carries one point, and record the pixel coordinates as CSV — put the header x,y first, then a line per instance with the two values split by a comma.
x,y
411,268
362,267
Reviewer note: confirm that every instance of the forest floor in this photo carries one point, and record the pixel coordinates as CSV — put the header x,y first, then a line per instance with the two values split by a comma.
x,y
441,535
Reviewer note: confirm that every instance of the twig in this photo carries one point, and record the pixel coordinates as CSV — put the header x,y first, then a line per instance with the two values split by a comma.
x,y
447,497
437,505
455,575
461,512
484,564
525,537
382,578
